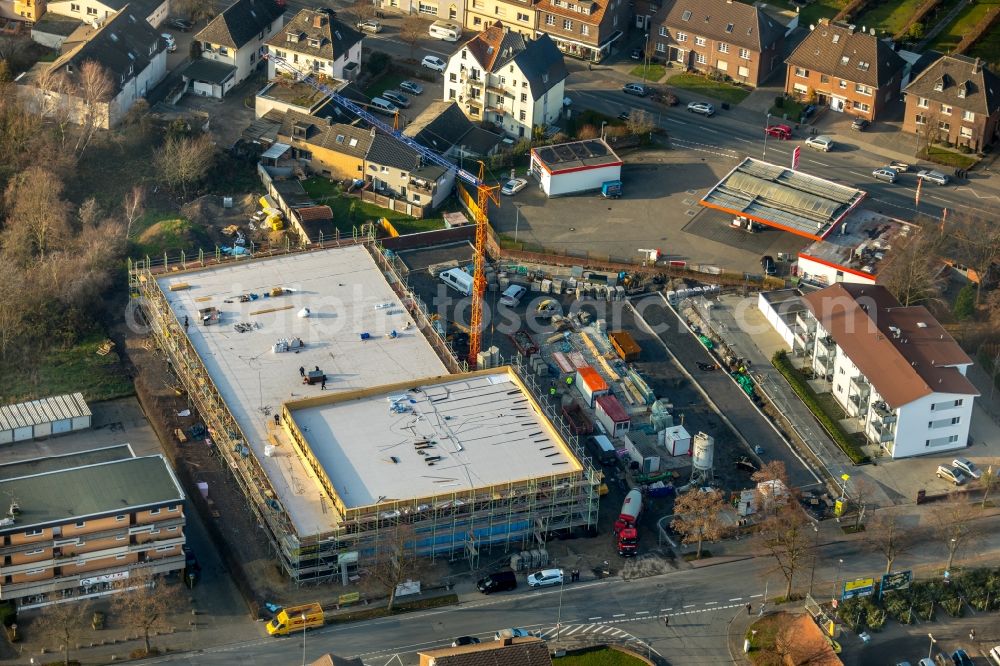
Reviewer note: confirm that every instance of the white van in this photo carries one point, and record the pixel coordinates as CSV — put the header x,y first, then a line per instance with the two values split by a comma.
x,y
458,280
995,655
449,32
383,106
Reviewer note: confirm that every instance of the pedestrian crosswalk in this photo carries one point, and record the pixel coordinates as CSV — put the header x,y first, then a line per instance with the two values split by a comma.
x,y
596,629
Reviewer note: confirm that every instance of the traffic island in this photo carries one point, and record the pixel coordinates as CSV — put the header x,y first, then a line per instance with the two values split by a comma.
x,y
783,638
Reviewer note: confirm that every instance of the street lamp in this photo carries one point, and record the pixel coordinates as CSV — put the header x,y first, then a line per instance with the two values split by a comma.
x,y
603,123
768,124
517,219
812,574
951,556
836,582
303,639
645,57
930,650
559,616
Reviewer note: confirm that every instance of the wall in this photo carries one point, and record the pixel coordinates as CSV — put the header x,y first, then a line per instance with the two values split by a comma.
x,y
912,431
580,181
831,92
983,128
775,320
518,16
814,271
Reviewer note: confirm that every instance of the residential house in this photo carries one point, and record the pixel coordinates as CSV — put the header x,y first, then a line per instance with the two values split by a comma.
x,y
396,170
499,77
528,651
29,10
728,37
894,369
96,12
445,129
79,522
233,41
326,148
130,51
314,42
957,100
848,70
517,15
448,10
585,29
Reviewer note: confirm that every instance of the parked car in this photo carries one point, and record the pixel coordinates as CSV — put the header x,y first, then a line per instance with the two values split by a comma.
x,y
168,39
433,62
513,186
967,467
767,263
783,132
181,24
497,582
513,632
397,98
635,54
411,87
638,89
512,295
623,116
961,658
545,578
935,177
860,125
465,640
370,26
949,473
821,142
885,173
704,108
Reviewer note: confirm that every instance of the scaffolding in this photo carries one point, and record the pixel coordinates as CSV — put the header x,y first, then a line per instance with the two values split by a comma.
x,y
519,514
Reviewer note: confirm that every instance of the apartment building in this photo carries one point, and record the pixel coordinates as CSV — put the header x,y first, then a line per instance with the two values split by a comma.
x,y
957,100
501,78
96,12
729,37
78,525
585,29
29,10
518,16
314,42
843,68
894,369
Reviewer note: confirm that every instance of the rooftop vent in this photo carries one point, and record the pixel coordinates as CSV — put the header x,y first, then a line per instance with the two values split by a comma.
x,y
921,324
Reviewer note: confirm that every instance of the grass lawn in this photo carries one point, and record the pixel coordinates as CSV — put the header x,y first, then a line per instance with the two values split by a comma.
x,y
703,86
762,634
598,657
159,231
889,16
812,13
388,81
947,157
325,192
57,372
789,107
651,72
949,38
988,48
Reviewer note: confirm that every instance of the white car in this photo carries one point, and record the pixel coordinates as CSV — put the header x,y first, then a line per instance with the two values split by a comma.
x,y
704,108
513,186
168,39
369,26
885,173
545,578
512,295
513,632
821,142
968,467
935,177
433,62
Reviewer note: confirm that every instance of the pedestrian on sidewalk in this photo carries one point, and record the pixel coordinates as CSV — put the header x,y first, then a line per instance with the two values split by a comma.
x,y
749,609
972,634
666,620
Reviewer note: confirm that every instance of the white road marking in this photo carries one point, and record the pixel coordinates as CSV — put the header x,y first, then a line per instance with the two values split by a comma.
x,y
858,173
594,618
689,606
756,595
589,627
574,630
709,130
619,615
936,198
642,612
710,603
664,610
738,138
737,599
617,633
816,162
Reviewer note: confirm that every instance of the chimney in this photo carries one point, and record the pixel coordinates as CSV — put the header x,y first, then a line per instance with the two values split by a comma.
x,y
318,20
508,640
978,67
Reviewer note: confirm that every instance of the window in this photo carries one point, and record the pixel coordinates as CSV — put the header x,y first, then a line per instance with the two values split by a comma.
x,y
453,77
863,90
744,71
700,58
943,126
661,47
523,116
223,51
922,120
663,31
723,47
81,523
120,517
686,16
745,54
966,132
922,102
860,106
722,65
804,73
843,372
567,24
968,115
843,84
550,20
584,29
524,18
729,27
682,37
154,512
958,403
120,537
699,41
91,11
74,7
36,551
35,572
946,109
500,11
451,94
524,98
120,557
161,549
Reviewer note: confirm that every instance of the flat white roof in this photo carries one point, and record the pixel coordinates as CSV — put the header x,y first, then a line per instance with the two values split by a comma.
x,y
455,435
347,295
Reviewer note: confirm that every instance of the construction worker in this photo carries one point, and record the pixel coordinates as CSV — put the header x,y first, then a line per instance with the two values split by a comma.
x,y
552,391
302,371
569,380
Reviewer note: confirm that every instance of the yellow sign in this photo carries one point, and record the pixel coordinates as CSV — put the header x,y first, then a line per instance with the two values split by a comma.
x,y
859,584
845,477
838,507
387,226
348,598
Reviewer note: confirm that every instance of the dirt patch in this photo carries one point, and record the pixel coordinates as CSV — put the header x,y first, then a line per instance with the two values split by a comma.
x,y
784,639
211,216
653,563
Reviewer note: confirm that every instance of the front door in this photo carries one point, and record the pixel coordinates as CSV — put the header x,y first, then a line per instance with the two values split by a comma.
x,y
453,12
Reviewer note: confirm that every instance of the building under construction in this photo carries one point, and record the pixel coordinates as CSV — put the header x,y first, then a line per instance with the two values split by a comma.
x,y
344,417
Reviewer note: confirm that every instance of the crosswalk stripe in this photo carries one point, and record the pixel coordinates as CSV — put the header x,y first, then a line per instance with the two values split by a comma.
x,y
573,630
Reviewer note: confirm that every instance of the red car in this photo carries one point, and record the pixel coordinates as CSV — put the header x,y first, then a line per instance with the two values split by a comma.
x,y
783,132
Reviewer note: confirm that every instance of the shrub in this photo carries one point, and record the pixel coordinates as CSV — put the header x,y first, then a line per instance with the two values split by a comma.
x,y
964,149
779,101
378,62
965,302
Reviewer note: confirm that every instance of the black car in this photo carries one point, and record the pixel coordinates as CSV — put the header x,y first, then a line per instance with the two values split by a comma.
x,y
181,24
465,640
860,125
497,582
767,263
623,116
636,54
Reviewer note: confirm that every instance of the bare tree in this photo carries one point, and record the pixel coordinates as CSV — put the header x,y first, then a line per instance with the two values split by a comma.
x,y
786,539
64,624
953,525
185,161
363,10
911,270
146,604
194,10
773,489
697,517
887,536
94,88
411,32
973,240
34,201
395,561
54,99
988,481
133,207
639,122
929,131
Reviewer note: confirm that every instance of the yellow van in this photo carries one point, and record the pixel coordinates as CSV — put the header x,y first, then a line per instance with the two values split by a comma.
x,y
296,618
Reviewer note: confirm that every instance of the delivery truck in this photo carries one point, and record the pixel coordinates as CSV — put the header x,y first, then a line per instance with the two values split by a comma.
x,y
296,618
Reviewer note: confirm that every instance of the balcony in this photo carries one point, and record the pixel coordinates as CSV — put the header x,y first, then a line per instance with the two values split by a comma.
x,y
883,413
421,186
826,345
496,90
860,387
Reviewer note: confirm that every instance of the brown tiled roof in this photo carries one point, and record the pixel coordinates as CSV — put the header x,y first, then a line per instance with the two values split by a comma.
x,y
496,46
240,22
958,75
596,15
903,351
723,20
840,51
520,652
334,660
324,133
330,40
313,213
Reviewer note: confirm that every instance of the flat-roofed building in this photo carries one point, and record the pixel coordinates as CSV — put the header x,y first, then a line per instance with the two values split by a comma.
x,y
79,524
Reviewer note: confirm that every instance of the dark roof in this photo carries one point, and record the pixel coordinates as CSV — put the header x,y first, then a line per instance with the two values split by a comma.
x,y
56,24
520,652
965,83
542,64
125,45
723,20
481,141
325,133
67,461
839,50
903,351
316,220
208,70
240,22
440,126
141,6
316,34
388,151
576,154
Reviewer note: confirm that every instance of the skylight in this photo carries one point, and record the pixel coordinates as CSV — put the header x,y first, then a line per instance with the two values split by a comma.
x,y
729,28
686,16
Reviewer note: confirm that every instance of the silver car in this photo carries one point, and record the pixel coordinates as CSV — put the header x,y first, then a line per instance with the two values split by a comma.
x,y
968,467
949,473
884,173
935,177
397,98
704,108
821,142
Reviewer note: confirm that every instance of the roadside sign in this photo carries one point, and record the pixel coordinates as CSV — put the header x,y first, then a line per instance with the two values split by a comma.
x,y
862,587
898,580
795,157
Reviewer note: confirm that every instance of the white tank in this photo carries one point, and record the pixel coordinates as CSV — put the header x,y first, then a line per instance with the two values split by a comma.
x,y
704,452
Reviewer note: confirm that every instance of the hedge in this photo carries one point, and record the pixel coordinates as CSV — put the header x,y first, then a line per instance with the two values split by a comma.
x,y
403,607
922,11
853,8
985,24
808,397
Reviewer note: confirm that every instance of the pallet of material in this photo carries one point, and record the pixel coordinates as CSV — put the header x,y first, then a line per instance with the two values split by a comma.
x,y
266,310
179,286
577,359
564,365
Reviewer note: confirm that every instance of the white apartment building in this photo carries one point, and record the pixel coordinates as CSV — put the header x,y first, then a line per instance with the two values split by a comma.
x,y
500,77
314,42
893,368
